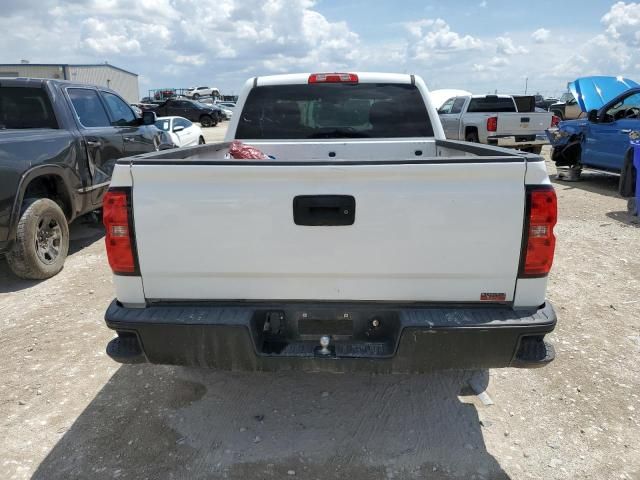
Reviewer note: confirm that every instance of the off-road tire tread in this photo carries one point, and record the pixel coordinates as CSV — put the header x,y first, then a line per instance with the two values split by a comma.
x,y
25,263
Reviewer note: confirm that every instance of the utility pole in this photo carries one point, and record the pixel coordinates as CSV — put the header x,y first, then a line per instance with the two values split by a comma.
x,y
526,84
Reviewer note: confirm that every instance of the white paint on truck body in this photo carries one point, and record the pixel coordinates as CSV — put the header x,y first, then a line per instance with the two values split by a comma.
x,y
445,226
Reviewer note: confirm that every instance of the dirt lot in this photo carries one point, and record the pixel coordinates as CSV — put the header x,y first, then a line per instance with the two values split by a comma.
x,y
68,411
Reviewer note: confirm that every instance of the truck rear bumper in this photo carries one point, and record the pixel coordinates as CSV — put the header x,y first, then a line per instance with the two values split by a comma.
x,y
364,336
517,141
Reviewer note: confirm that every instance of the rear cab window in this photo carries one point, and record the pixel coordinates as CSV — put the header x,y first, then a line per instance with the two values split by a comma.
x,y
491,104
334,110
25,107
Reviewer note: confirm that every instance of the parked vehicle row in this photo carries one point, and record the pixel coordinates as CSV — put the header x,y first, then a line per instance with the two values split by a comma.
x,y
544,103
206,115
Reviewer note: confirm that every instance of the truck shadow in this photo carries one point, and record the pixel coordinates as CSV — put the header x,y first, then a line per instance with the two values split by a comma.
x,y
625,218
594,182
167,422
83,232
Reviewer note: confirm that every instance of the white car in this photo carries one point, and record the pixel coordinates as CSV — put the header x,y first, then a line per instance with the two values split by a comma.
x,y
183,132
197,92
228,112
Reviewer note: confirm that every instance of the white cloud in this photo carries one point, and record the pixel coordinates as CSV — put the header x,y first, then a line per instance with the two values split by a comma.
x,y
541,35
180,38
494,63
612,52
623,22
196,60
189,42
429,37
505,46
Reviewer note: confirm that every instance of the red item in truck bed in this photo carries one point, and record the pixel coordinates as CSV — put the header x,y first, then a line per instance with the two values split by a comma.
x,y
239,150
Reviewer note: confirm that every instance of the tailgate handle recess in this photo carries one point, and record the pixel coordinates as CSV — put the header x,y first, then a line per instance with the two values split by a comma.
x,y
525,119
324,210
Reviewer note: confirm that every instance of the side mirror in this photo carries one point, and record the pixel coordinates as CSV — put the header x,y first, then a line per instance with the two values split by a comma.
x,y
148,118
592,116
178,128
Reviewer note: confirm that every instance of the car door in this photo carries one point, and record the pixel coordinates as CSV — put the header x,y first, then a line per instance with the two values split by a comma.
x,y
444,112
137,138
607,140
188,135
104,142
192,132
454,119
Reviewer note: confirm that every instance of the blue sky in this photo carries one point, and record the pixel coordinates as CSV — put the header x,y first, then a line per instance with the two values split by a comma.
x,y
478,45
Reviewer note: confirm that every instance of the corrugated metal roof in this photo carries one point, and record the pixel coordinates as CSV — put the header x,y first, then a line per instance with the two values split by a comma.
x,y
67,65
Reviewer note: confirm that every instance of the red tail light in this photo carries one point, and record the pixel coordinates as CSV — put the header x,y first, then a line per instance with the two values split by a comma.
x,y
555,121
492,124
119,235
540,242
333,78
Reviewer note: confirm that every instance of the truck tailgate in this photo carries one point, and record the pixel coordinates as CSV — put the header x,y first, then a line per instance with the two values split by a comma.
x,y
433,231
523,123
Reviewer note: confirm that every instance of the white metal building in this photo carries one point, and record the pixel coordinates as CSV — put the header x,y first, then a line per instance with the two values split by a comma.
x,y
102,74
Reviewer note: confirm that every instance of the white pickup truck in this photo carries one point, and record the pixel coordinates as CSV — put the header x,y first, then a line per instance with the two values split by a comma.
x,y
501,120
366,241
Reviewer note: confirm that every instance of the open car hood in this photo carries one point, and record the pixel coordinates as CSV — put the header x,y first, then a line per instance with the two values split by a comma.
x,y
592,93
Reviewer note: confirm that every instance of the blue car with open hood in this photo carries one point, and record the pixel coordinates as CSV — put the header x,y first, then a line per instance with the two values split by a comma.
x,y
600,141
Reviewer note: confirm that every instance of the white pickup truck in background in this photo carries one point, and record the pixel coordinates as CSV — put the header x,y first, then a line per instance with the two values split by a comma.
x,y
501,120
365,241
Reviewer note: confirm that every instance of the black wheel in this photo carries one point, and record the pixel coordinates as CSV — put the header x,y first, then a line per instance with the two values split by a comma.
x,y
196,96
571,174
42,240
201,141
472,137
632,206
206,121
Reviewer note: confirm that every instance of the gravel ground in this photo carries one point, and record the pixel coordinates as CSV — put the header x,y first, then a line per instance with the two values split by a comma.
x,y
67,411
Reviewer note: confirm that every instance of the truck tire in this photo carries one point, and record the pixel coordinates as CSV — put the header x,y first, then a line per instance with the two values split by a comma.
x,y
42,240
472,137
632,206
571,174
208,121
201,141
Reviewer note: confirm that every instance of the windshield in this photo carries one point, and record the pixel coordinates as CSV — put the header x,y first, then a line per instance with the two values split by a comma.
x,y
338,110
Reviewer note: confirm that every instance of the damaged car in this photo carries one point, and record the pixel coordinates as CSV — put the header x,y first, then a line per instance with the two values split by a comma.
x,y
601,140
